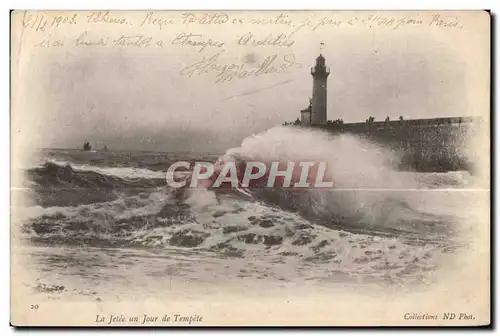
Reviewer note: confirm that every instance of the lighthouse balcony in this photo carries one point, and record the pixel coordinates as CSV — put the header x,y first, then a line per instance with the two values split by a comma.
x,y
320,70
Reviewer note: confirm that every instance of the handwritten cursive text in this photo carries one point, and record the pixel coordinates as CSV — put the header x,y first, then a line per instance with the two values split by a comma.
x,y
280,40
196,40
227,72
152,19
206,18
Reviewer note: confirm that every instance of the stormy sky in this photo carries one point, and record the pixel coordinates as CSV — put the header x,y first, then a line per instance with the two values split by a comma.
x,y
140,98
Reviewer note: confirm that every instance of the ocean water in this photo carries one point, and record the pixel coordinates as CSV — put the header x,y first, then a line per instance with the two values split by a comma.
x,y
104,225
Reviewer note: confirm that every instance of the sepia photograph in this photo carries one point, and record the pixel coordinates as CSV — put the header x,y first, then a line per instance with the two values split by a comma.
x,y
250,168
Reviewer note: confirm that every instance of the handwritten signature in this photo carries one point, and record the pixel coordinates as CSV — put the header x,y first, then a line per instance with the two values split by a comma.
x,y
227,72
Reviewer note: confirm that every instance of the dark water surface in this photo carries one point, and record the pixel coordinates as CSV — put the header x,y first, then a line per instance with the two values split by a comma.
x,y
91,221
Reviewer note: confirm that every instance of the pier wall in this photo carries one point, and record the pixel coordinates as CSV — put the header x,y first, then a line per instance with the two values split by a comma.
x,y
425,145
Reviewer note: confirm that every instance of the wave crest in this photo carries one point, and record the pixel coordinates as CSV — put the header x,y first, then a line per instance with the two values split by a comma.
x,y
63,185
368,190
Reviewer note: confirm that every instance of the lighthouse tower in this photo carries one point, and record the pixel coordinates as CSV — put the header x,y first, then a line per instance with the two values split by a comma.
x,y
320,74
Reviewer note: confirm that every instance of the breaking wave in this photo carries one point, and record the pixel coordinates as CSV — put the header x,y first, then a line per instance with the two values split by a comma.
x,y
368,191
375,222
128,173
63,184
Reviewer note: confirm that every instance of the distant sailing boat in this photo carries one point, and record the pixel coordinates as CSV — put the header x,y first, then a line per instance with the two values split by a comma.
x,y
87,146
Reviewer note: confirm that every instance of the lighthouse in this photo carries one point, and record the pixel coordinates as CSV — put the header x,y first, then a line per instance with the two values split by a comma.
x,y
320,74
